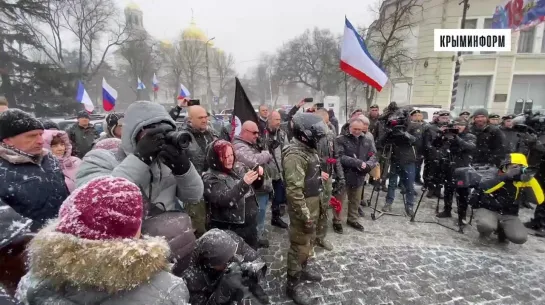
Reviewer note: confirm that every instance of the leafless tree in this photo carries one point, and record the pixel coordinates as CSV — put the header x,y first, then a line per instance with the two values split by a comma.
x,y
312,59
94,24
141,58
223,64
387,38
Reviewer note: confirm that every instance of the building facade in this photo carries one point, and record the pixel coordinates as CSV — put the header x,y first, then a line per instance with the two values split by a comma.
x,y
506,82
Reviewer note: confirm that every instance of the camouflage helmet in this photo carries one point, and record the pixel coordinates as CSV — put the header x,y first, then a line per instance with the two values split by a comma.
x,y
308,128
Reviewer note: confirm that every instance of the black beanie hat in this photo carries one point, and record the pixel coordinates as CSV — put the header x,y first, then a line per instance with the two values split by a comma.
x,y
14,122
480,111
112,121
83,114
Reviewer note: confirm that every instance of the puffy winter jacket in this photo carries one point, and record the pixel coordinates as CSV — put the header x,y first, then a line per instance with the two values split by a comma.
x,y
490,145
353,153
66,270
156,181
33,186
69,163
249,155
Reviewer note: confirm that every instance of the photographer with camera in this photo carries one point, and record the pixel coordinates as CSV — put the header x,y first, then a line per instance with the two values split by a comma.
x,y
152,155
417,128
495,198
490,140
400,143
511,135
456,146
432,159
223,269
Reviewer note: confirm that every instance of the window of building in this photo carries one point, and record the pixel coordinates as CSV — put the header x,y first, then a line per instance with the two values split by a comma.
x,y
487,25
470,24
526,40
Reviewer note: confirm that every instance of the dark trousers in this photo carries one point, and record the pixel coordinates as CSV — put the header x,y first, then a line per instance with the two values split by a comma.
x,y
279,197
463,199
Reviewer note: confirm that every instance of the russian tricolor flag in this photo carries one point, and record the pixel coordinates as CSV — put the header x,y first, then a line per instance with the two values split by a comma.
x,y
183,92
83,97
109,96
356,60
155,83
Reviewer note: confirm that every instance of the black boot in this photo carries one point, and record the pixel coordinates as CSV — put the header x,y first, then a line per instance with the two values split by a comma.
x,y
259,293
446,212
310,275
338,228
278,222
295,292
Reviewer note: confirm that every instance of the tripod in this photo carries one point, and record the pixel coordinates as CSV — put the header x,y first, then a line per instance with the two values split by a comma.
x,y
384,164
442,168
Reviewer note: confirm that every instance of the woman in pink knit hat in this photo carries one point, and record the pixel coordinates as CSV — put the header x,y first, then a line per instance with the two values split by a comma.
x,y
94,253
58,144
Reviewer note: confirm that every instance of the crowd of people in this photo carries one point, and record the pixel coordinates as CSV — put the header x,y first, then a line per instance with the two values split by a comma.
x,y
151,212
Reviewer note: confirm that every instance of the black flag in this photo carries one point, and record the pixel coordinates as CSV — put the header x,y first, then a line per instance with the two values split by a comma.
x,y
242,110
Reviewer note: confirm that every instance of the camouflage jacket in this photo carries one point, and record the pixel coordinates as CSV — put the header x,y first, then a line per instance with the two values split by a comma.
x,y
327,149
300,189
275,142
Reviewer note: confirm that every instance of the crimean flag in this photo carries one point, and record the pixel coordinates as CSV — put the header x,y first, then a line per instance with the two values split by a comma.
x,y
83,98
155,83
356,60
242,110
109,96
183,92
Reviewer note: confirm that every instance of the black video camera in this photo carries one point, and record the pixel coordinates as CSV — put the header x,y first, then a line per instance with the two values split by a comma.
x,y
533,123
250,271
180,139
470,177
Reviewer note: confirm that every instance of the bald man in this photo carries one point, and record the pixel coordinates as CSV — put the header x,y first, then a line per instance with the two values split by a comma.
x,y
250,154
201,136
275,139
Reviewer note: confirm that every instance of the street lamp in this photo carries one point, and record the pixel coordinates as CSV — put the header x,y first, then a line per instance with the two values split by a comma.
x,y
209,86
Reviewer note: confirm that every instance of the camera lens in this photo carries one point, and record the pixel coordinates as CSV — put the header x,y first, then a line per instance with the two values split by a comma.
x,y
179,138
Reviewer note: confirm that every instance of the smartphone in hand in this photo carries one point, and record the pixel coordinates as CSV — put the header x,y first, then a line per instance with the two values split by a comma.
x,y
308,100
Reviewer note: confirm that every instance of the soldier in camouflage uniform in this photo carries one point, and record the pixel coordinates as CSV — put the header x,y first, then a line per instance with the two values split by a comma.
x,y
331,170
302,176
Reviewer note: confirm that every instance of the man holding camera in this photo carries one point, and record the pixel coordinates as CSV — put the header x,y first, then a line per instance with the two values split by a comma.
x,y
456,146
214,275
303,178
433,158
400,143
150,157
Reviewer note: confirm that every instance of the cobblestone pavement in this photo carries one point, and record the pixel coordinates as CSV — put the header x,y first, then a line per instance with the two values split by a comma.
x,y
399,262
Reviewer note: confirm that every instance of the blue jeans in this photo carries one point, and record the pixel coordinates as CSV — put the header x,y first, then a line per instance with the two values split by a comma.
x,y
262,202
279,197
406,173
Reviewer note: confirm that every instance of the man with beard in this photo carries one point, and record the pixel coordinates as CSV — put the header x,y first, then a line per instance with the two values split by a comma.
x,y
201,135
303,179
490,140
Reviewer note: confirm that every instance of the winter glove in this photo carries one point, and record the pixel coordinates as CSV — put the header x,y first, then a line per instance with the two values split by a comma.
x,y
514,173
175,159
149,146
309,227
336,204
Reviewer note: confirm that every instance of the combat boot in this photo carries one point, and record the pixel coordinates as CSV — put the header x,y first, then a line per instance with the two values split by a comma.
x,y
324,243
278,222
294,290
446,212
310,275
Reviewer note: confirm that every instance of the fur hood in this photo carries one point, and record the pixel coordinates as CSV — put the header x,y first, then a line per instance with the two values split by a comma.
x,y
48,137
106,265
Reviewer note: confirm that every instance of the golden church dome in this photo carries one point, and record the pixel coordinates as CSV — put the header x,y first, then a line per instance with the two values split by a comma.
x,y
133,6
194,33
165,43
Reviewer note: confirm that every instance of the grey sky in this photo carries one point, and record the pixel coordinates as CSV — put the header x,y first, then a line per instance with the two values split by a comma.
x,y
247,28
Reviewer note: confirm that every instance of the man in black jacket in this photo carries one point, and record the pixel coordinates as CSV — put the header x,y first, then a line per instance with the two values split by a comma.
x,y
432,157
490,140
358,156
32,179
461,145
402,165
417,128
